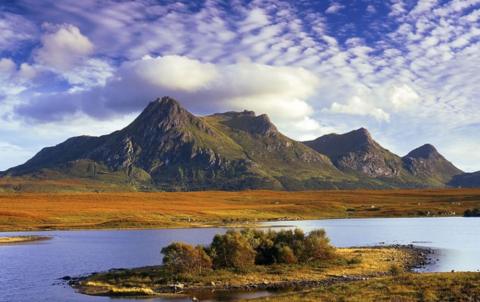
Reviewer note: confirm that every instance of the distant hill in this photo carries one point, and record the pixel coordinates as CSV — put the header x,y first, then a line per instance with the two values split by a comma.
x,y
430,166
358,152
466,180
168,148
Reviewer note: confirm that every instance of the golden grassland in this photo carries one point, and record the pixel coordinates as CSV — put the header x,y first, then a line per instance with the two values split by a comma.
x,y
42,211
349,262
21,239
406,287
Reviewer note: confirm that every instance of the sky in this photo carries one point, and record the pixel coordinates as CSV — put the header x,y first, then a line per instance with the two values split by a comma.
x,y
409,71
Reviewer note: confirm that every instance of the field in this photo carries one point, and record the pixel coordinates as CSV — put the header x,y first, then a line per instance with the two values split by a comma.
x,y
407,287
43,211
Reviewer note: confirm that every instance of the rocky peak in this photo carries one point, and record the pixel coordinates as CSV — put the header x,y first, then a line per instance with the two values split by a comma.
x,y
165,114
247,121
237,114
356,150
262,125
427,162
360,137
425,151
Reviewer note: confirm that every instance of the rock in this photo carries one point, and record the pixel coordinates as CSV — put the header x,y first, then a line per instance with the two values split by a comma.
x,y
66,278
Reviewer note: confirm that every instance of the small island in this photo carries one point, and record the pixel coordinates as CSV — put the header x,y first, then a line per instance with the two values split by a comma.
x,y
21,239
472,212
253,260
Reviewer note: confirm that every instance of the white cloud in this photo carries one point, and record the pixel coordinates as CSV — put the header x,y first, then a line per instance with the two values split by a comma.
x,y
12,155
358,106
174,72
7,67
403,97
63,47
15,30
334,8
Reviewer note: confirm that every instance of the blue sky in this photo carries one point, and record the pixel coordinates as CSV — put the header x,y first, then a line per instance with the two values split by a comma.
x,y
406,70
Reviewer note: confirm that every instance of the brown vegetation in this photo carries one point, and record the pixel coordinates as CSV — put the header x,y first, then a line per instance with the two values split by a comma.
x,y
28,211
154,280
402,288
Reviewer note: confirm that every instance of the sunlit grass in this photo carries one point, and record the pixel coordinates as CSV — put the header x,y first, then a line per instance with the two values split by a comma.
x,y
20,239
406,287
27,211
369,262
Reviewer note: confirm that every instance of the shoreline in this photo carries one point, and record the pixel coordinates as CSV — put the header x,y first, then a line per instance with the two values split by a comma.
x,y
413,258
247,224
7,240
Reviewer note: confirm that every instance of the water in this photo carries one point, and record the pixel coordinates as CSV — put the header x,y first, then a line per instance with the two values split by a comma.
x,y
456,239
29,271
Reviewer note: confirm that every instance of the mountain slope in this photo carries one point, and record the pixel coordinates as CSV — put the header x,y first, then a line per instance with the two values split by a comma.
x,y
466,180
427,164
357,151
168,148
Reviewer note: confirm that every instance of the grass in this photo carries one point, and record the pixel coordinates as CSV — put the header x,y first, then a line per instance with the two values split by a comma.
x,y
407,287
42,211
149,280
21,239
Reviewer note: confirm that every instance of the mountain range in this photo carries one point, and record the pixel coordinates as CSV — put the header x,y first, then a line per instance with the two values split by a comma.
x,y
168,148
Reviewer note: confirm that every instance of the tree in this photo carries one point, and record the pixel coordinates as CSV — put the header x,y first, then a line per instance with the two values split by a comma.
x,y
317,247
232,250
180,258
286,255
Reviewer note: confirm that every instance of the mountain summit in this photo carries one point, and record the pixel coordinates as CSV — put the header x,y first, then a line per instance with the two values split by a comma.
x,y
427,163
357,151
168,148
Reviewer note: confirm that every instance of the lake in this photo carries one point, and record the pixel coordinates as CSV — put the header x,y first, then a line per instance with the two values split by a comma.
x,y
30,271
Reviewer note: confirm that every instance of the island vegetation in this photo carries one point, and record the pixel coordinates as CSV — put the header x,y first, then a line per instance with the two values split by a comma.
x,y
472,212
250,260
21,239
404,287
47,211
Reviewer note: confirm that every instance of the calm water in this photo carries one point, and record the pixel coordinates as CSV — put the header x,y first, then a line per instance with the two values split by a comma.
x,y
29,272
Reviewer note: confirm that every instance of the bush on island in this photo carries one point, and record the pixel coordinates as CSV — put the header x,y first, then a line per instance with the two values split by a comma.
x,y
241,250
180,258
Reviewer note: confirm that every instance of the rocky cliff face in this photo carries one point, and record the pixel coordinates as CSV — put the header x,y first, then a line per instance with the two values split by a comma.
x,y
357,151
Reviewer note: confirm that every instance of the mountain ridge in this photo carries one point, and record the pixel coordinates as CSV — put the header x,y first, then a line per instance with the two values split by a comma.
x,y
168,148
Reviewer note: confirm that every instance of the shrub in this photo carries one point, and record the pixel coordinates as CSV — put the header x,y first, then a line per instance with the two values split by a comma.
x,y
395,270
183,258
240,250
472,213
232,250
286,255
316,247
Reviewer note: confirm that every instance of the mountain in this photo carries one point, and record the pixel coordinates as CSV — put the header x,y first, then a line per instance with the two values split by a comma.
x,y
427,164
168,148
358,152
466,180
